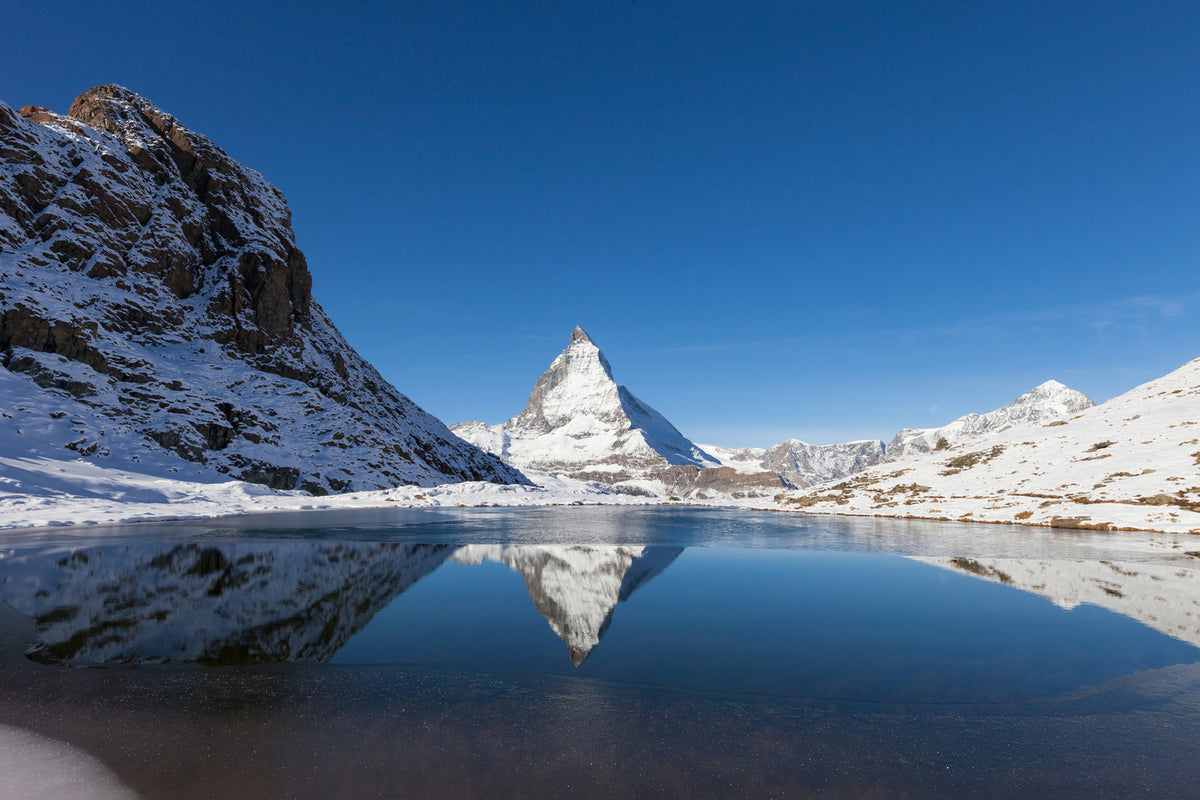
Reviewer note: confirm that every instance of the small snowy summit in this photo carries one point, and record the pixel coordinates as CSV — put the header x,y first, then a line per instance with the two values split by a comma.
x,y
580,423
1049,401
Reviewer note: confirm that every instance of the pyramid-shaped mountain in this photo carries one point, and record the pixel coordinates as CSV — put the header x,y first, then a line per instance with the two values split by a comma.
x,y
580,423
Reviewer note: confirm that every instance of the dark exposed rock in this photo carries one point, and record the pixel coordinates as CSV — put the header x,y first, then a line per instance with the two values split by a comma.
x,y
138,248
687,480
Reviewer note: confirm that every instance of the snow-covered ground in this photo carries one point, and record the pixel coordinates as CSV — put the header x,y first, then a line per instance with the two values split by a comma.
x,y
37,768
1130,463
41,491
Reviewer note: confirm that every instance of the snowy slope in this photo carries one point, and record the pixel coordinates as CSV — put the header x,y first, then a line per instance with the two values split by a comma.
x,y
1132,462
580,423
152,292
802,464
576,588
1049,401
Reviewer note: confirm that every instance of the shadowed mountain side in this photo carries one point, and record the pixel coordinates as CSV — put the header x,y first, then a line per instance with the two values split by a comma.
x,y
153,294
210,604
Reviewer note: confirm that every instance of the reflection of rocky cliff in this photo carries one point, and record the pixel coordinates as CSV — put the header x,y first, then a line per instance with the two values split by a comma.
x,y
577,588
210,603
1161,596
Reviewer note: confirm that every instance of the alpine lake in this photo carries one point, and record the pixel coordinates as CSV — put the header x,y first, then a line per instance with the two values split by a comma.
x,y
607,652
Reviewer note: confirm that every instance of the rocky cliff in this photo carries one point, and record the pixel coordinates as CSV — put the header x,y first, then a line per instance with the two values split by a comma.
x,y
154,283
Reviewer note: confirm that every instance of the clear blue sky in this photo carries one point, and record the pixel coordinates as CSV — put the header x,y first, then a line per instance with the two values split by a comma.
x,y
825,220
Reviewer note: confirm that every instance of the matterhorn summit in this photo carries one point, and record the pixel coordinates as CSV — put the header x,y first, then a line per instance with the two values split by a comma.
x,y
580,423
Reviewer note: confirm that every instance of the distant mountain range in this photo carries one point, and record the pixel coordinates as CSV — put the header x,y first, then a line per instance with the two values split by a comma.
x,y
156,315
579,422
1132,462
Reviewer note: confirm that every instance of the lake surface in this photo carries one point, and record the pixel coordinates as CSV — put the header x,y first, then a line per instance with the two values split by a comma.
x,y
606,652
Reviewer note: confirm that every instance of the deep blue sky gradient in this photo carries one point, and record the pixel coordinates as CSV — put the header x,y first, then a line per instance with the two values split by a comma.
x,y
825,220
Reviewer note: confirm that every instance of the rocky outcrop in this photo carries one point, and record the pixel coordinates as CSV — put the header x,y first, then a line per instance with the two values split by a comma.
x,y
156,280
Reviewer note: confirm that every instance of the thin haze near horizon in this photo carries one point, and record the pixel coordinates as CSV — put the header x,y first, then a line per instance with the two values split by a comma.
x,y
816,220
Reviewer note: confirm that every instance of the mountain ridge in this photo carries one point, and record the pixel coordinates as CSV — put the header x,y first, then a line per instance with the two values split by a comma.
x,y
153,287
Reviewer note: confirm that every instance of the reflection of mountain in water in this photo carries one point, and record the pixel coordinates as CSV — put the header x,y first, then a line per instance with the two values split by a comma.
x,y
576,588
210,603
1161,596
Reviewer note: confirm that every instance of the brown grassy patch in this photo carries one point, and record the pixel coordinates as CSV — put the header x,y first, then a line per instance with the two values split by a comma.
x,y
974,567
957,465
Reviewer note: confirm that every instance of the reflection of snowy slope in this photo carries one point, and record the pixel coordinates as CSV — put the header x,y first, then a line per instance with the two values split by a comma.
x,y
1163,597
211,603
576,588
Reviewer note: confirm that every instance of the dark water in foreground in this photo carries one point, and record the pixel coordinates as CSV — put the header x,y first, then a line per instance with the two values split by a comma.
x,y
607,652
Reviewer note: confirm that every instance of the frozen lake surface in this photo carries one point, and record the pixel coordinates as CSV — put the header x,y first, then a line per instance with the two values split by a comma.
x,y
603,652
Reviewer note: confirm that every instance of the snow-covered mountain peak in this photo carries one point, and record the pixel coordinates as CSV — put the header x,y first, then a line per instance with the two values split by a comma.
x,y
578,382
1044,403
579,422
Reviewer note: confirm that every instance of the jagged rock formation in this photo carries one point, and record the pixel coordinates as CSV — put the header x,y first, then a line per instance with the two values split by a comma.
x,y
154,280
577,588
800,463
212,603
1045,403
580,423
